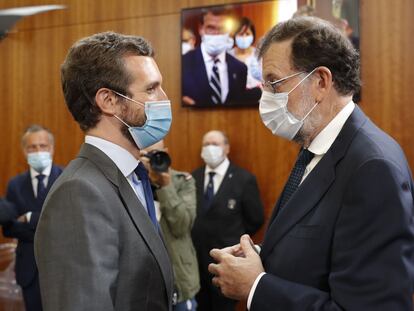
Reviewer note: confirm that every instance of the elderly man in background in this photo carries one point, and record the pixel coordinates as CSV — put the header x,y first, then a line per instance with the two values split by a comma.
x,y
26,194
228,205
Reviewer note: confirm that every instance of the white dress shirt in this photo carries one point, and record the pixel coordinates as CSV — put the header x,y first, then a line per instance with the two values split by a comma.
x,y
222,69
319,146
220,171
124,160
35,181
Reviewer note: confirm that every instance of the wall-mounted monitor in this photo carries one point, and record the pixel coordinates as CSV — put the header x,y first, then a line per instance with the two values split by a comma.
x,y
219,65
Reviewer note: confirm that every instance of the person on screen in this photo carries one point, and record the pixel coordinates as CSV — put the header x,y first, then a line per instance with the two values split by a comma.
x,y
210,75
188,40
244,51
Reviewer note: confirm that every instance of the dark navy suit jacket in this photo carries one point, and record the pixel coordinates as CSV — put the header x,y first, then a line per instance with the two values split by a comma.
x,y
195,83
345,239
236,209
20,193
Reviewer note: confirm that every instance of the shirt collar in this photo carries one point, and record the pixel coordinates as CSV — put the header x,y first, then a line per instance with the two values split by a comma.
x,y
324,140
122,158
221,169
45,172
208,58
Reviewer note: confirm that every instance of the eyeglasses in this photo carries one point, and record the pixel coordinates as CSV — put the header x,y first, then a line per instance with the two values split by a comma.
x,y
274,84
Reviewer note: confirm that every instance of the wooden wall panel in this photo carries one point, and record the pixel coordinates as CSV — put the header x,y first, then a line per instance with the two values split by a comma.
x,y
30,85
388,68
92,11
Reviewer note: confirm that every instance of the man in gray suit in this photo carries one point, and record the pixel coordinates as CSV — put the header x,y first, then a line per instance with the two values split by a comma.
x,y
98,245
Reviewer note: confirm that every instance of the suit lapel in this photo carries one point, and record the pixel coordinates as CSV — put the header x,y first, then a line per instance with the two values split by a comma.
x,y
201,75
232,75
225,184
54,174
199,177
314,186
146,229
135,210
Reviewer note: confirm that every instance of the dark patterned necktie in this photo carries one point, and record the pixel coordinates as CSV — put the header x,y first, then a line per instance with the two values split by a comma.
x,y
215,84
41,189
142,174
209,193
305,156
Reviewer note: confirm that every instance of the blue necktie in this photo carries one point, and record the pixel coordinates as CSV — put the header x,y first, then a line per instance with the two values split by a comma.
x,y
142,174
209,194
305,156
41,189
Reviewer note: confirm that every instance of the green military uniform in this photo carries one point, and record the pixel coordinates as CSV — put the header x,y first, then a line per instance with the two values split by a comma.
x,y
178,211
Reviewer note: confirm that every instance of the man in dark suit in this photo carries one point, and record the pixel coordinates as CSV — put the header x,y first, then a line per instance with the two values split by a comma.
x,y
26,193
228,205
98,244
341,236
210,75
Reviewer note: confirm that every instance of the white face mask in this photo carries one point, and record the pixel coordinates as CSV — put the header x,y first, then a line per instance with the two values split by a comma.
x,y
39,160
276,116
186,47
216,44
212,155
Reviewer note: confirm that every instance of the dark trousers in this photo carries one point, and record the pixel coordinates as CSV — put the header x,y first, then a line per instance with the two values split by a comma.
x,y
31,296
209,298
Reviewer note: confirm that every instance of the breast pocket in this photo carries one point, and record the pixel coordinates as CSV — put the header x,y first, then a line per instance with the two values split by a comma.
x,y
312,232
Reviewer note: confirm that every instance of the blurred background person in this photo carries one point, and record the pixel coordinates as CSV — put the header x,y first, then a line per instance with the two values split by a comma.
x,y
188,40
175,202
27,193
244,51
228,205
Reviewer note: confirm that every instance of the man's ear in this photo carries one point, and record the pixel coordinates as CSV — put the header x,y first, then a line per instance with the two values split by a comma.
x,y
323,82
106,100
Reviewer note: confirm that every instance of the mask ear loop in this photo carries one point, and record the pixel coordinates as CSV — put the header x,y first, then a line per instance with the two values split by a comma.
x,y
127,98
314,106
302,80
128,126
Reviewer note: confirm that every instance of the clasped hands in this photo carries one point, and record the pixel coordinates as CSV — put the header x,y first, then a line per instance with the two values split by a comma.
x,y
236,268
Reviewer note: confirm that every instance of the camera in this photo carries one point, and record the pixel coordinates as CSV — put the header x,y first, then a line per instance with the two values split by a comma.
x,y
160,161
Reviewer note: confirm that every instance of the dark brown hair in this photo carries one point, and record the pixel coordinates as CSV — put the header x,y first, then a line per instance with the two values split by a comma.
x,y
95,62
316,42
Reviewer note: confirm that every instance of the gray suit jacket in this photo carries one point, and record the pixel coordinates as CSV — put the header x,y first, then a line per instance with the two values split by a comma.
x,y
95,246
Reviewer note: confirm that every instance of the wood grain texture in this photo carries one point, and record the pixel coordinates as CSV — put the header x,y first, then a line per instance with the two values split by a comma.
x,y
30,89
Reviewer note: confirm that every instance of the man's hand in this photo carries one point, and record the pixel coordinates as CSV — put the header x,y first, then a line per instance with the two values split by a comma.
x,y
236,269
160,179
22,218
187,100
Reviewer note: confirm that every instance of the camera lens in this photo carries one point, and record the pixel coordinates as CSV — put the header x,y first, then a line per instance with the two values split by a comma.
x,y
160,161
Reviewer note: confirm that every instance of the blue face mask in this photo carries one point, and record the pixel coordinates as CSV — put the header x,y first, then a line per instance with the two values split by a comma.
x,y
244,42
39,160
156,127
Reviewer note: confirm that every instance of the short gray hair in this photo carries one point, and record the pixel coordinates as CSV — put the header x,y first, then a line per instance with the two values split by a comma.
x,y
34,128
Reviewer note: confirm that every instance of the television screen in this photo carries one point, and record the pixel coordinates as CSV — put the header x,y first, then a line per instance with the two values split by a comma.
x,y
219,67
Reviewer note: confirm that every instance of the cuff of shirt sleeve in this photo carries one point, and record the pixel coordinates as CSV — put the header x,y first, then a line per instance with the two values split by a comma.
x,y
28,216
253,289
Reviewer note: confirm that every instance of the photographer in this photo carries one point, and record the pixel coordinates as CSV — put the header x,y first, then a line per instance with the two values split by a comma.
x,y
175,202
